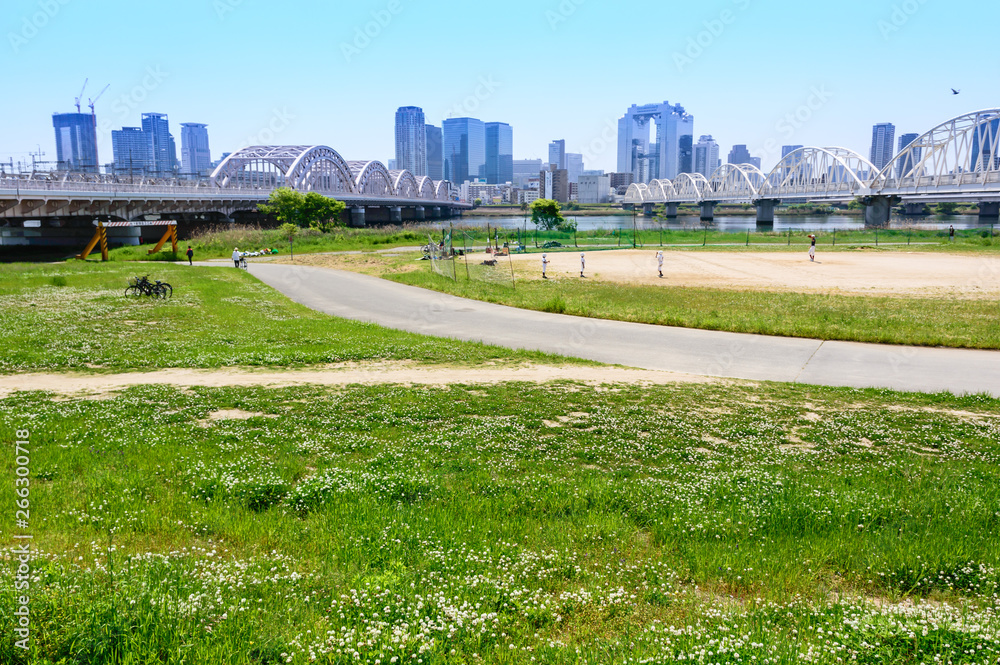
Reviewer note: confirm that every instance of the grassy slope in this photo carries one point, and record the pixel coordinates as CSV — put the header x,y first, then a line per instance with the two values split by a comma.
x,y
509,523
76,315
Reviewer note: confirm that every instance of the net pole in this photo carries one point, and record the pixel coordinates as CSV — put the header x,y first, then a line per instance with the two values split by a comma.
x,y
465,253
451,250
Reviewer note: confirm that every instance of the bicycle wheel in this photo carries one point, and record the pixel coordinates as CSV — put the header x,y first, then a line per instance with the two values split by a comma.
x,y
168,290
133,291
158,291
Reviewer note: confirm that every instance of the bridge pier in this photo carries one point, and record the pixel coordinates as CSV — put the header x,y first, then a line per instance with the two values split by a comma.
x,y
436,212
765,210
671,209
989,209
708,210
357,216
647,209
419,213
395,214
878,209
915,209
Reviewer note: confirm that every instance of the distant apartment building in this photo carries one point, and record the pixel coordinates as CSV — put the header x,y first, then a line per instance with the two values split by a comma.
x,y
594,189
131,151
789,149
525,170
883,142
621,181
196,156
162,148
76,141
739,154
574,166
411,140
905,164
554,184
499,153
706,156
435,152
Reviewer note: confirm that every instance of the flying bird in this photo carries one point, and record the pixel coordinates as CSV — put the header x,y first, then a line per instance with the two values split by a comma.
x,y
955,92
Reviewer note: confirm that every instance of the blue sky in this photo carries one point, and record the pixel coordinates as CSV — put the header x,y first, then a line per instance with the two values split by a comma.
x,y
759,72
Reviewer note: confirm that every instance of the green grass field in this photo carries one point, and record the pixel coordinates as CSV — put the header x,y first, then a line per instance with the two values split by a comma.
x,y
75,315
515,523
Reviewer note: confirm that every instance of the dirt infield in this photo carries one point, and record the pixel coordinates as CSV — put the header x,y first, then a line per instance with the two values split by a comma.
x,y
861,272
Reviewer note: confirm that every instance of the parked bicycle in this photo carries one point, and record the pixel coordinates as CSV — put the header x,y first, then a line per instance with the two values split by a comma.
x,y
141,286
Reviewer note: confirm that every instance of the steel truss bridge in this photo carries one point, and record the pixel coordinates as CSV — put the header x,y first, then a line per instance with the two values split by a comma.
x,y
959,160
242,181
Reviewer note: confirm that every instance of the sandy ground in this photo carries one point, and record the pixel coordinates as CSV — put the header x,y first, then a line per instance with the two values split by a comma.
x,y
104,385
861,272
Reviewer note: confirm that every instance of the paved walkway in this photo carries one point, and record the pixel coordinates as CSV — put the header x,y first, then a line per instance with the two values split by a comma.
x,y
704,352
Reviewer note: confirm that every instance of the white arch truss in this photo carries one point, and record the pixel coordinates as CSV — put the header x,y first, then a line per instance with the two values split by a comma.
x,y
960,154
690,187
371,178
425,188
320,169
637,193
442,190
817,173
404,184
736,183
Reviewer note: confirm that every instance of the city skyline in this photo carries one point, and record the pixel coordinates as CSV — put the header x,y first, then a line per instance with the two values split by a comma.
x,y
810,103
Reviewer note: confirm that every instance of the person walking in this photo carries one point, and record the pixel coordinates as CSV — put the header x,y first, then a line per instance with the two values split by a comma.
x,y
951,233
583,264
190,255
659,262
545,264
812,248
236,256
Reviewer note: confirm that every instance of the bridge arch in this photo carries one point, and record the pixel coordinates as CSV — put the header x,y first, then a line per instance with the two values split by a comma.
x,y
404,184
371,178
425,188
736,182
320,169
661,190
961,151
690,187
442,190
810,172
637,193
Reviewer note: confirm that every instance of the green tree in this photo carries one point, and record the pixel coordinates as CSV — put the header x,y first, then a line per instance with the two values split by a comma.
x,y
288,230
946,208
312,210
477,203
545,213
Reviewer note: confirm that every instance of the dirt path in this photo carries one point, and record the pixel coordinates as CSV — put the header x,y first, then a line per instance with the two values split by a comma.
x,y
99,385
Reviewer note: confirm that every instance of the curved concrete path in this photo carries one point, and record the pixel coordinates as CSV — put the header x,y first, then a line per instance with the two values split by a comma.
x,y
705,352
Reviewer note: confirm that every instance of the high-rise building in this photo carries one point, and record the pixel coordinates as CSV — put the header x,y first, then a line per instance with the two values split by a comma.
x,y
739,154
464,149
435,160
621,181
499,153
411,140
985,151
553,183
574,166
76,141
196,157
131,151
670,154
526,170
557,153
706,156
788,149
883,141
594,189
162,149
905,164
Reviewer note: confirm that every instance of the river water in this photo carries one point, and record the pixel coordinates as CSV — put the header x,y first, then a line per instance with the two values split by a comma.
x,y
736,223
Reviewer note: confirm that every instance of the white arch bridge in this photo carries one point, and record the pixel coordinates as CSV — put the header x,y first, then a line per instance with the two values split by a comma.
x,y
243,180
959,160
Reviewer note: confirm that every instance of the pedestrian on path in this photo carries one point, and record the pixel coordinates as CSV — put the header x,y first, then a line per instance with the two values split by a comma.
x,y
190,255
236,256
545,264
583,264
951,233
659,262
812,248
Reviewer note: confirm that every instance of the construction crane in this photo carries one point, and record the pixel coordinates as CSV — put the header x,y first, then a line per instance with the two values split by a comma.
x,y
80,97
94,100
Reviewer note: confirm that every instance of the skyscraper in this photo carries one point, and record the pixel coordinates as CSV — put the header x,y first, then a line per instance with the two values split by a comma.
x,y
76,141
499,153
905,164
670,154
557,153
196,157
464,149
131,151
706,156
739,154
574,166
883,135
162,149
411,140
985,151
435,159
788,149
